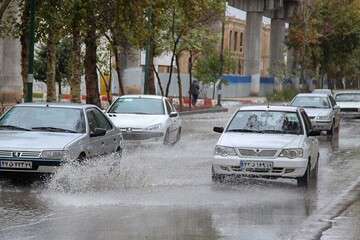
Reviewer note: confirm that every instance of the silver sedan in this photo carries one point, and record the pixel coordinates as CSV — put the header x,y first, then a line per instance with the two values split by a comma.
x,y
37,138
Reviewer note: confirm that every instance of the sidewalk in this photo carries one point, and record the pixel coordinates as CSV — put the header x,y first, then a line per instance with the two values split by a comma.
x,y
346,226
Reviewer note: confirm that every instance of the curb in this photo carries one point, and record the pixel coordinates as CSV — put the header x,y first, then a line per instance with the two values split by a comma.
x,y
202,111
313,228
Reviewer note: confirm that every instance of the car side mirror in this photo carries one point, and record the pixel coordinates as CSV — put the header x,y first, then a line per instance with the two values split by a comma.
x,y
218,129
98,132
314,133
173,114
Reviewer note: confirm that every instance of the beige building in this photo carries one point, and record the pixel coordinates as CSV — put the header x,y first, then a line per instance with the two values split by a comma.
x,y
234,40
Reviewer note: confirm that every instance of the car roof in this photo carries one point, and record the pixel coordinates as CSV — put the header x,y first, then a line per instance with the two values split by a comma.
x,y
57,105
322,90
143,96
312,95
347,91
269,108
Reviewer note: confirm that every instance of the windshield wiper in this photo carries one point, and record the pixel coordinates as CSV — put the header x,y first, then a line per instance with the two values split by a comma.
x,y
53,129
14,127
273,131
244,130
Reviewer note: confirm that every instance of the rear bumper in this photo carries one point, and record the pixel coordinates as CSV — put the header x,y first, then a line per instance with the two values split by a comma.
x,y
38,166
282,168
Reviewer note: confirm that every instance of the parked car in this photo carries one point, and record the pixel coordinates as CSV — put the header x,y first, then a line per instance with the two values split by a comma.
x,y
323,91
321,109
349,102
37,138
267,141
146,118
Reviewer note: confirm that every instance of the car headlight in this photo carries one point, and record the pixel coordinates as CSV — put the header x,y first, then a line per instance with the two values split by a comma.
x,y
154,127
323,118
54,155
292,153
225,151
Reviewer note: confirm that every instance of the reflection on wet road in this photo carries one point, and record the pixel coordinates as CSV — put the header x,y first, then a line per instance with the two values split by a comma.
x,y
166,193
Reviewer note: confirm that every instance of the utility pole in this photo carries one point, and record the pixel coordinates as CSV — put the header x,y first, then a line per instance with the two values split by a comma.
x,y
149,52
31,40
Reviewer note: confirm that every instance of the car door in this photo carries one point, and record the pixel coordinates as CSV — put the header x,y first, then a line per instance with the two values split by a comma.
x,y
311,142
111,138
336,111
174,120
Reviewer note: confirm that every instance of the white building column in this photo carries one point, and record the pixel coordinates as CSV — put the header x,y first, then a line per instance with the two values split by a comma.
x,y
253,49
277,48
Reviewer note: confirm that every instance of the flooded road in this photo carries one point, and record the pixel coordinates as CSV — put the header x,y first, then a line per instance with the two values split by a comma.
x,y
160,192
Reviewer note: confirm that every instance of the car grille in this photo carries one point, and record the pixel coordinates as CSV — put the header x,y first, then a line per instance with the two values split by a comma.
x,y
20,154
258,152
255,170
349,110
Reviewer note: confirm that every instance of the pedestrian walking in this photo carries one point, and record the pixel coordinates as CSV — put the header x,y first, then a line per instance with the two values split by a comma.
x,y
194,91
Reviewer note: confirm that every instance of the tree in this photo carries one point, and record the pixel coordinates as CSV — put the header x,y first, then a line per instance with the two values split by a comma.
x,y
208,66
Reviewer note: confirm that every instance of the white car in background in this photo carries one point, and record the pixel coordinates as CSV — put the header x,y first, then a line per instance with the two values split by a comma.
x,y
146,118
323,91
268,142
321,109
349,102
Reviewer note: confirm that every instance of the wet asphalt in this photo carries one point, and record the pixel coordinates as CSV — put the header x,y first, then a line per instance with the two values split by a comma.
x,y
161,192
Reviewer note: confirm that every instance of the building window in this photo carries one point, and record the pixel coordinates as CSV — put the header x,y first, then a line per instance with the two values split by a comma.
x,y
241,39
235,41
230,39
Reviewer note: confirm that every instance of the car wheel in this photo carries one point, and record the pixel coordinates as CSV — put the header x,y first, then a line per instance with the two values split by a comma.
x,y
118,153
304,181
167,137
215,177
81,158
316,168
178,136
330,132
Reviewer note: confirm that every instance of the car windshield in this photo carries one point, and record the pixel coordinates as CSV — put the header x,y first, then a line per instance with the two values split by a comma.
x,y
271,122
311,102
138,106
51,119
348,97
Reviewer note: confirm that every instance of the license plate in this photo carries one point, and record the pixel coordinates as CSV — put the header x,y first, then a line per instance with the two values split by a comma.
x,y
256,165
16,164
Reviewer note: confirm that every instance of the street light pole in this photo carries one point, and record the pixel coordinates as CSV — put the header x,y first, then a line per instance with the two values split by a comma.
x,y
31,40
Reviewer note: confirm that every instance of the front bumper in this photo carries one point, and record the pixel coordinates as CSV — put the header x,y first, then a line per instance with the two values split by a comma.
x,y
38,166
141,135
282,168
321,125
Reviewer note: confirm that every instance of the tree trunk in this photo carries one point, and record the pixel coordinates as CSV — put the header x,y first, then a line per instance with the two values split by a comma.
x,y
190,77
91,78
158,80
119,69
171,66
151,77
75,81
51,66
24,45
179,83
3,6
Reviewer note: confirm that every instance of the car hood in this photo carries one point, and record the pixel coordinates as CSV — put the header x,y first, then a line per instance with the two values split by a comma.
x,y
267,141
314,112
23,140
349,104
136,120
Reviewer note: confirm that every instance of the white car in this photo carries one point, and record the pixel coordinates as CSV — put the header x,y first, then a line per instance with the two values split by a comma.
x,y
146,118
349,102
38,138
268,142
323,91
322,110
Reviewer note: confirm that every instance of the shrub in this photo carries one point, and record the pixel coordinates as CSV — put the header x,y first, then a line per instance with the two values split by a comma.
x,y
285,95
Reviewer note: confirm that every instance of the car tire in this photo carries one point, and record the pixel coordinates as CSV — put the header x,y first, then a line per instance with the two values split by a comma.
x,y
304,181
215,177
81,158
178,135
118,153
316,168
167,138
330,132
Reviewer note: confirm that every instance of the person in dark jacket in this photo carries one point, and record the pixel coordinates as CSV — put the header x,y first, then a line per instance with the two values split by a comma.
x,y
194,91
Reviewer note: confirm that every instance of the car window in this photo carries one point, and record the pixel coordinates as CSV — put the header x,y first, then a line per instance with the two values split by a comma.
x,y
96,119
169,109
266,122
347,97
134,105
306,121
311,102
45,118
